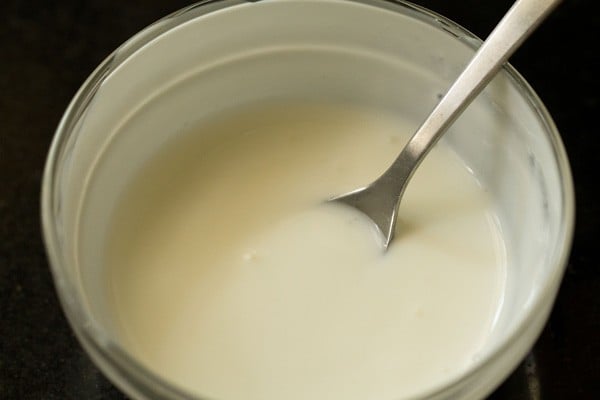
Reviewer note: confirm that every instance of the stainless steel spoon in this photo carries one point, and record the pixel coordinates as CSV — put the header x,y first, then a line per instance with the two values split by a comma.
x,y
380,200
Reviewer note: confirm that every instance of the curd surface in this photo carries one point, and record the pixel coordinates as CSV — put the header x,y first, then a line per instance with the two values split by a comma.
x,y
232,278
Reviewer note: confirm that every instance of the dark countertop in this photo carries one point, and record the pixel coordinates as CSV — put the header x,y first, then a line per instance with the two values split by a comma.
x,y
47,49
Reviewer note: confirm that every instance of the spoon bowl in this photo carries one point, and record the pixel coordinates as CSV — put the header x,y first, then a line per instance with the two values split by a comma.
x,y
136,101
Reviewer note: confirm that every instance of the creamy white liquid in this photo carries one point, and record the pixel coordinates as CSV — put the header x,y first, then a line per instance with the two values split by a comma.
x,y
232,279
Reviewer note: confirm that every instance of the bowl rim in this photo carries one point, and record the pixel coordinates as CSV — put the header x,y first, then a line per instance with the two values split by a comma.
x,y
114,361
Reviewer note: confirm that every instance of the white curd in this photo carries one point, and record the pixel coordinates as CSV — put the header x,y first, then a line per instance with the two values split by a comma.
x,y
231,278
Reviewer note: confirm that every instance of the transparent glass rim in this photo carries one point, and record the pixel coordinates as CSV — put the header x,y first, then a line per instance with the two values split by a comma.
x,y
109,356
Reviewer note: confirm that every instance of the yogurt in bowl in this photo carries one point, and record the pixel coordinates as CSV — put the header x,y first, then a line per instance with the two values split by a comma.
x,y
225,263
186,227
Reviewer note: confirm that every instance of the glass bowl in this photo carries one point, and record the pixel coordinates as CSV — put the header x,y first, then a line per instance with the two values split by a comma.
x,y
215,55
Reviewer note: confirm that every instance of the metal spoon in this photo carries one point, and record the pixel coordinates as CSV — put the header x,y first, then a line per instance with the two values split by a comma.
x,y
380,200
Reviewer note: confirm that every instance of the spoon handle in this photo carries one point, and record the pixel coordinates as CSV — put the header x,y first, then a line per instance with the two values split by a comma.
x,y
518,23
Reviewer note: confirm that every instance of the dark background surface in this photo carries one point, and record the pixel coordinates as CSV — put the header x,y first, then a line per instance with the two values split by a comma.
x,y
48,48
